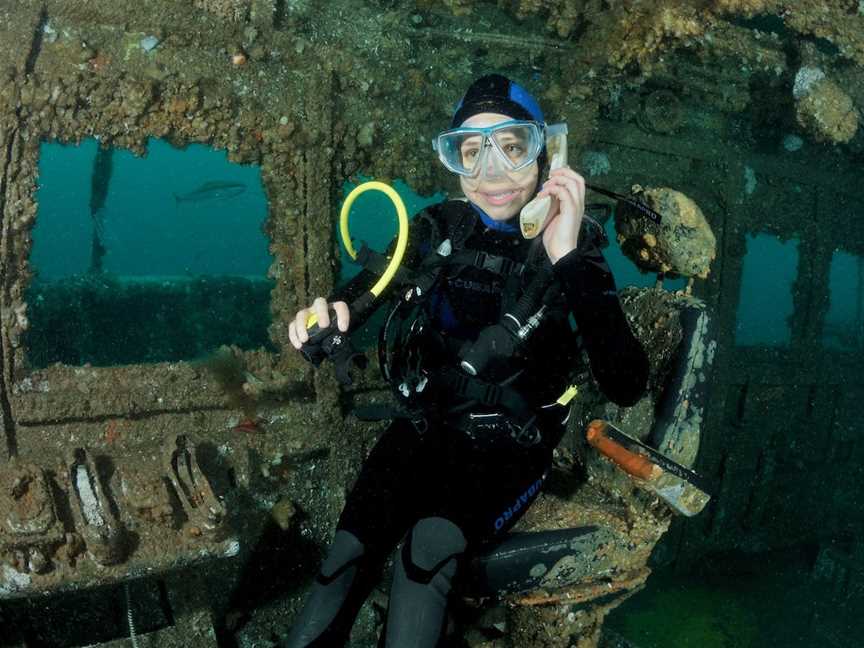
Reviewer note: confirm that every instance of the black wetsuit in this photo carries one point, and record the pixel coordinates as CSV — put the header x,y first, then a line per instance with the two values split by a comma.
x,y
476,486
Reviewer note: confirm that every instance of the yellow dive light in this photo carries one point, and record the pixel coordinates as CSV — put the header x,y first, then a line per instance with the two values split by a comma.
x,y
401,242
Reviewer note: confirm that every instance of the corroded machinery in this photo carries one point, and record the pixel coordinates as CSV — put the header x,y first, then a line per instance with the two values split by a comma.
x,y
167,516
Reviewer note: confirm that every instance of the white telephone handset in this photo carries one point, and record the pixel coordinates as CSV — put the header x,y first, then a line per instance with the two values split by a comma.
x,y
533,216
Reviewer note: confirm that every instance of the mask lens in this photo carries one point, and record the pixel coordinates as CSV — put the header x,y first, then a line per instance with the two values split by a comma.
x,y
460,151
469,151
448,146
519,145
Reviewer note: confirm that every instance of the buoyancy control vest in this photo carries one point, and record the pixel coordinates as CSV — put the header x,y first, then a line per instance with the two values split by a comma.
x,y
458,333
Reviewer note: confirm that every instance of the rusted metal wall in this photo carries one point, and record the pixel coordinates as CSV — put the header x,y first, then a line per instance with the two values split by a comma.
x,y
62,87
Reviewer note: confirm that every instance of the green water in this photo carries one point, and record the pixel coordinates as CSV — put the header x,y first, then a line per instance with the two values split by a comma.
x,y
739,601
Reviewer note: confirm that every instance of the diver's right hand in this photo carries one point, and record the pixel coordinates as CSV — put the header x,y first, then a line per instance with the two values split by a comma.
x,y
297,332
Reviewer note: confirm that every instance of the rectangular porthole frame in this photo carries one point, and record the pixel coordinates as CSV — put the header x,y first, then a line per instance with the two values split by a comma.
x,y
62,394
138,276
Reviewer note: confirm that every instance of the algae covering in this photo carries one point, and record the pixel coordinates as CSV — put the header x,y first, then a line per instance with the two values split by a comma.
x,y
121,479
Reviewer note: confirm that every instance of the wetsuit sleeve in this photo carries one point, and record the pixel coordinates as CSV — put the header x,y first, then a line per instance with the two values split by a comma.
x,y
618,361
421,237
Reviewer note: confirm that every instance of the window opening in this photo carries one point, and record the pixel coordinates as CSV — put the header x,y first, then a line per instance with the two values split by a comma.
x,y
765,305
844,322
159,258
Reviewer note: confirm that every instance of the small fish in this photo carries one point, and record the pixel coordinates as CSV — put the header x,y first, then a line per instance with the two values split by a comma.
x,y
213,190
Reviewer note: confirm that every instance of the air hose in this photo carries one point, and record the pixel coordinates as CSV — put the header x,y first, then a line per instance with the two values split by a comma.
x,y
329,342
502,340
401,241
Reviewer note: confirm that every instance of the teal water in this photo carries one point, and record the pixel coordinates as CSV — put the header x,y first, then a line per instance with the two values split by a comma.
x,y
146,259
146,231
769,600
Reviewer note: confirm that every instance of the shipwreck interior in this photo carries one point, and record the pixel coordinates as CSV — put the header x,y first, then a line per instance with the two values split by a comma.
x,y
171,174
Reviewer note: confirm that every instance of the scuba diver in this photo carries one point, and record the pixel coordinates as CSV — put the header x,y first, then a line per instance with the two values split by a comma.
x,y
478,349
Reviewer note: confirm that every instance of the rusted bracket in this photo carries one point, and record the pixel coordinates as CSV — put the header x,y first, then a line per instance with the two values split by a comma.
x,y
202,507
91,510
29,527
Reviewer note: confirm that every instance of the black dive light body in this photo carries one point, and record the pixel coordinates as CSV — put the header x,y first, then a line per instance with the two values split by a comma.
x,y
330,343
503,340
323,343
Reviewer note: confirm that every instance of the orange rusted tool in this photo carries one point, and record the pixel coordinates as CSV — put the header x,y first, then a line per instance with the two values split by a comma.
x,y
632,463
677,485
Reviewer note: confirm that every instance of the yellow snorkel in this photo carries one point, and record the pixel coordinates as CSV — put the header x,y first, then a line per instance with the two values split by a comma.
x,y
401,241
330,342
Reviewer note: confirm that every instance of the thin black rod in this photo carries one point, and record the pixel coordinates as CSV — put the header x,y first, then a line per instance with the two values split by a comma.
x,y
645,210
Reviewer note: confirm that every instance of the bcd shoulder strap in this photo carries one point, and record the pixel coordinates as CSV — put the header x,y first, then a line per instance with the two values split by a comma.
x,y
453,220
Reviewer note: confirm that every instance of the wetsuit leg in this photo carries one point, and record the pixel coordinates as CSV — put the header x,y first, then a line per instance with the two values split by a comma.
x,y
489,488
422,582
393,487
337,593
378,512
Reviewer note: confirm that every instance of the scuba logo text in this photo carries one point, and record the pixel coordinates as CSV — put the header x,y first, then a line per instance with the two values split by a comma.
x,y
521,502
478,286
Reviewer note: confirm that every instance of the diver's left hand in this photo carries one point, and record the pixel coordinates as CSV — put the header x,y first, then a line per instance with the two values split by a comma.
x,y
561,234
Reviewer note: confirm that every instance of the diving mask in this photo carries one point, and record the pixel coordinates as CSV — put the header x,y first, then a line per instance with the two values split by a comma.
x,y
503,150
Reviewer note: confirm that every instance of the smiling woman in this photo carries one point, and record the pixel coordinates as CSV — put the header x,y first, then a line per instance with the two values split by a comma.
x,y
465,444
495,158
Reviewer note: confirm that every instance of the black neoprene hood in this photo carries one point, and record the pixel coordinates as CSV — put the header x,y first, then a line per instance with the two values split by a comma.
x,y
497,94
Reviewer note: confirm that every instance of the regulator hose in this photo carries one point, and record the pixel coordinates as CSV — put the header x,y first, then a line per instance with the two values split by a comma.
x,y
329,342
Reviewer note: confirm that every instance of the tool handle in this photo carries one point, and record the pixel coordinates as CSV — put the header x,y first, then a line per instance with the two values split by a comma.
x,y
532,217
629,461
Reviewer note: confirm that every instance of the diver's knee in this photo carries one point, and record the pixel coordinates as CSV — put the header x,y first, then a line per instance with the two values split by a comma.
x,y
432,547
422,582
345,552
